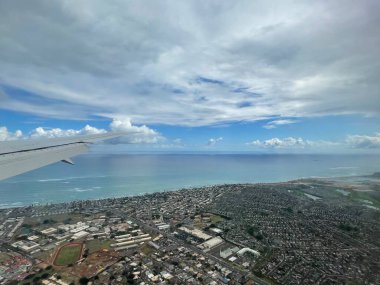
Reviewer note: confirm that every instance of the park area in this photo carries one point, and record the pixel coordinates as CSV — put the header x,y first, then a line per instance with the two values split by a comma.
x,y
95,263
68,254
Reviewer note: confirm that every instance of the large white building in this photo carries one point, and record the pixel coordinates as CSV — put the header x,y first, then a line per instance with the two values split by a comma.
x,y
196,233
26,246
49,231
211,243
228,252
80,234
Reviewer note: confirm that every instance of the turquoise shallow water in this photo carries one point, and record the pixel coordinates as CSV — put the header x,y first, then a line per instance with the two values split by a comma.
x,y
103,176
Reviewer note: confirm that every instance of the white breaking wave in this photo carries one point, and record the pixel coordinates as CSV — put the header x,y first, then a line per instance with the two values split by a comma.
x,y
69,178
343,167
52,180
81,190
78,189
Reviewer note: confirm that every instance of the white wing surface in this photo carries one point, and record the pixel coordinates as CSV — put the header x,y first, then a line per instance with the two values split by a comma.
x,y
17,157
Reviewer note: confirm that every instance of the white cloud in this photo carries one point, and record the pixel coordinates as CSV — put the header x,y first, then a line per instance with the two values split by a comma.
x,y
41,132
288,142
364,141
173,144
6,135
358,142
190,63
255,143
134,134
275,123
214,141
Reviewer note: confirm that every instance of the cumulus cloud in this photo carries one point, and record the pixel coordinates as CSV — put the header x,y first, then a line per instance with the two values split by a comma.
x,y
288,142
41,132
133,134
214,141
274,124
6,135
364,141
189,62
136,134
359,142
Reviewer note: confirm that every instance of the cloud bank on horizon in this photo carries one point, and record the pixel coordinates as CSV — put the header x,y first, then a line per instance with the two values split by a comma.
x,y
191,64
353,141
134,134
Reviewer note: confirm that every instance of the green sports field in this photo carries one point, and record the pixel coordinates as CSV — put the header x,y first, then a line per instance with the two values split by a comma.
x,y
68,254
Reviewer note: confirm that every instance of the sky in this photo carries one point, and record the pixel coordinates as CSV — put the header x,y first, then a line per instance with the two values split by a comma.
x,y
202,76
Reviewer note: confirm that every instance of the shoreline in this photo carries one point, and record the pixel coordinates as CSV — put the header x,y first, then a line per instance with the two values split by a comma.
x,y
375,176
104,177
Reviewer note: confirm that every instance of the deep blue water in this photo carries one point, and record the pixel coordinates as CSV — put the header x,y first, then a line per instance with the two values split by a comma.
x,y
103,176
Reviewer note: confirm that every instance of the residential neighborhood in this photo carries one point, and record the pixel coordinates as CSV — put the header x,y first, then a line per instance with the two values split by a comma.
x,y
227,234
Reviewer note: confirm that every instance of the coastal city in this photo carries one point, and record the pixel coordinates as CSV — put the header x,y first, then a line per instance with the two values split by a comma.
x,y
209,142
309,231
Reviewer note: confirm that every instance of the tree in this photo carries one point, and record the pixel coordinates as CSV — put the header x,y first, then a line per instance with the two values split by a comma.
x,y
83,280
30,276
289,210
251,230
130,278
67,221
86,251
259,236
45,275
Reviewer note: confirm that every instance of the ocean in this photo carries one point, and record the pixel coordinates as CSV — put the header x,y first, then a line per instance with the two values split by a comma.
x,y
103,176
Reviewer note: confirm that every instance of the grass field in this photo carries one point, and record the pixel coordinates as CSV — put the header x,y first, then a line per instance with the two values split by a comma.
x,y
147,249
97,244
68,254
216,219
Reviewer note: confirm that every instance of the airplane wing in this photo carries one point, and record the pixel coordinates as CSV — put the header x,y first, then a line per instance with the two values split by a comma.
x,y
20,156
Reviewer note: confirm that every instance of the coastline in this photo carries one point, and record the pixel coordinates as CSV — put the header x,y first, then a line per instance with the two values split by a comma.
x,y
258,216
355,182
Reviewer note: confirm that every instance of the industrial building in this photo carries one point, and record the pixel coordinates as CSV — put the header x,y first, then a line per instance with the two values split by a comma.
x,y
196,233
211,243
